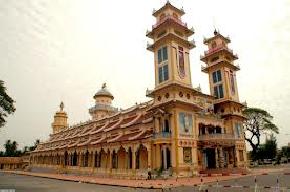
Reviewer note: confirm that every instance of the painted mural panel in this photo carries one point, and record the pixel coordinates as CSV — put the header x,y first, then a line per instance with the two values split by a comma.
x,y
187,155
185,123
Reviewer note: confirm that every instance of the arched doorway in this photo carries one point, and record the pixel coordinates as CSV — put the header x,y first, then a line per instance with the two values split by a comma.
x,y
86,160
114,160
121,158
75,159
130,158
142,157
65,158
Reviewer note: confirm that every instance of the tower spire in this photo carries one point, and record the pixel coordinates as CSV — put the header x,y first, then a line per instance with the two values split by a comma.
x,y
61,106
60,120
171,47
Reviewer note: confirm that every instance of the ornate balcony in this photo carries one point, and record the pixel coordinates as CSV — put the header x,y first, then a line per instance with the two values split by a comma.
x,y
216,136
161,135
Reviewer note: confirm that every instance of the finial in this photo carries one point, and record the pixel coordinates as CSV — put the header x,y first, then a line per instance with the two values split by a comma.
x,y
104,85
199,88
215,32
182,8
61,106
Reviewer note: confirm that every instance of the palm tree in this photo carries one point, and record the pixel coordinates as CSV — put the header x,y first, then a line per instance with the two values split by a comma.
x,y
6,104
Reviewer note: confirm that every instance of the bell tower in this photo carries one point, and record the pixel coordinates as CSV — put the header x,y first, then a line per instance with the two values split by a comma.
x,y
170,47
219,64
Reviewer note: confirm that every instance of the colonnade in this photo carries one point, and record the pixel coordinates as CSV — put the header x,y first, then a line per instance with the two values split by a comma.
x,y
129,157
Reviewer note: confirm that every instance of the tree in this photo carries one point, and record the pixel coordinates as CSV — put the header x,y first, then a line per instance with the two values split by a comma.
x,y
285,151
270,147
11,148
258,122
6,104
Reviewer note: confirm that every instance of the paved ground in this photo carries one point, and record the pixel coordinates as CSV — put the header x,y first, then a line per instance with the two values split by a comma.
x,y
36,184
268,178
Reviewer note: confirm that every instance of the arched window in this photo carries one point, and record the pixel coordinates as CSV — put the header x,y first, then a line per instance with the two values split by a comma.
x,y
213,45
166,127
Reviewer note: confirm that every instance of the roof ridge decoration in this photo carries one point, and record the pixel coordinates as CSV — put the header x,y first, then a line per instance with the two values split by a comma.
x,y
138,135
101,129
99,140
85,142
115,138
155,12
147,120
115,125
131,122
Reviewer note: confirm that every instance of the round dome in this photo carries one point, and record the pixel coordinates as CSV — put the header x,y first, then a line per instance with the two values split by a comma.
x,y
104,92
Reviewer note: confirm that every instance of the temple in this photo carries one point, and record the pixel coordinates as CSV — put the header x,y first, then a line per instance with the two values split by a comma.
x,y
179,131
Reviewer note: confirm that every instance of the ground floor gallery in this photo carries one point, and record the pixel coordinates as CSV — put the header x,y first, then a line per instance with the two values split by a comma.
x,y
138,160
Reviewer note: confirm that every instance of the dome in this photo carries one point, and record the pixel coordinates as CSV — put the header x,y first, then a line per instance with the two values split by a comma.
x,y
104,92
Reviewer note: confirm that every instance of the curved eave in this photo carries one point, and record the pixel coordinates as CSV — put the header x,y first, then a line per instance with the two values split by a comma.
x,y
207,68
186,43
207,40
234,115
218,102
188,32
167,5
205,57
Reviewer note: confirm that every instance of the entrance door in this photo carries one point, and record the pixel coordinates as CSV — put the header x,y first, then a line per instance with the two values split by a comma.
x,y
210,153
168,158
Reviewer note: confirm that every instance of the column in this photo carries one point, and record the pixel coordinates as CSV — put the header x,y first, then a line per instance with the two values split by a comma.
x,y
93,159
110,159
216,158
149,155
221,157
79,157
158,156
133,158
164,157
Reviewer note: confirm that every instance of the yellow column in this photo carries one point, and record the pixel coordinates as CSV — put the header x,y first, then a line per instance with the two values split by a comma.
x,y
216,158
176,142
158,156
133,158
149,156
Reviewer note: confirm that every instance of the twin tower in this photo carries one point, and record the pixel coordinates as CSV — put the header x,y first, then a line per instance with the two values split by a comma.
x,y
171,48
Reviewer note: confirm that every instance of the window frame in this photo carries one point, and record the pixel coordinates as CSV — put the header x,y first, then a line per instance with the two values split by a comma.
x,y
162,63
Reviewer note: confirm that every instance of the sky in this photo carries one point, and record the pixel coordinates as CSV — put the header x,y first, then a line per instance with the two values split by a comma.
x,y
63,50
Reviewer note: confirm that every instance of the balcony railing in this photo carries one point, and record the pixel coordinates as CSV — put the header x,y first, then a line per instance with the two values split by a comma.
x,y
216,136
162,135
167,18
210,51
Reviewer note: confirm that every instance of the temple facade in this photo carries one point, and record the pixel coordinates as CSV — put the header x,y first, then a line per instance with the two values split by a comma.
x,y
180,131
